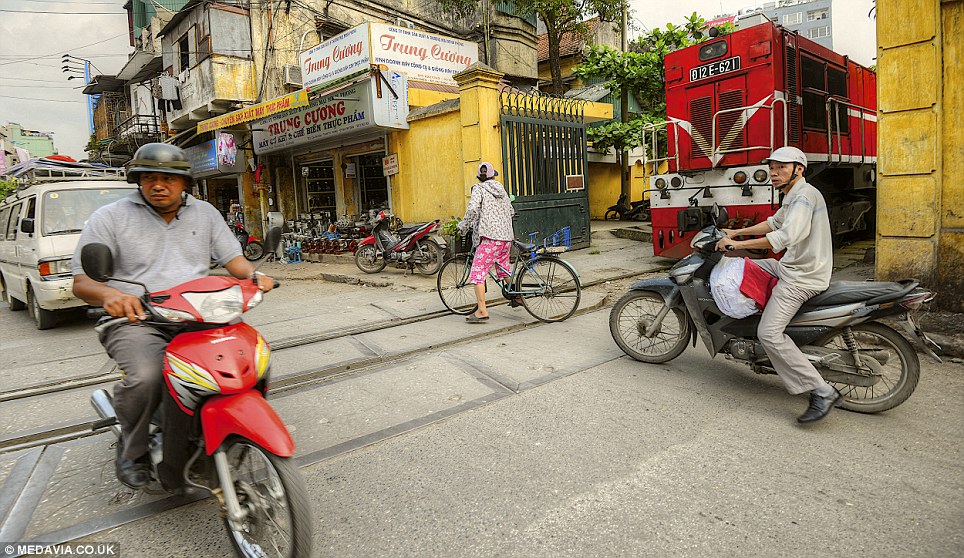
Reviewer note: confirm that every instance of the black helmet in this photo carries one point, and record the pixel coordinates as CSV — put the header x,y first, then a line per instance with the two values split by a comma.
x,y
159,157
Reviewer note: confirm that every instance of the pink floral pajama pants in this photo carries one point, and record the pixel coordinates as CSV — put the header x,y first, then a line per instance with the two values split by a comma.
x,y
488,253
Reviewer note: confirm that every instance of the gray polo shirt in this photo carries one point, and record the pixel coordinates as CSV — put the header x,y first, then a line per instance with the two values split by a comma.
x,y
154,252
802,227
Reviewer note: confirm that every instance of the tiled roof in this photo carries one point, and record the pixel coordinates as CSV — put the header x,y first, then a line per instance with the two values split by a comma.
x,y
571,43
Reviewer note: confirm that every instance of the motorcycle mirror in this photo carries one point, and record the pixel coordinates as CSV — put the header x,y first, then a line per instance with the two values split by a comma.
x,y
720,216
97,261
273,238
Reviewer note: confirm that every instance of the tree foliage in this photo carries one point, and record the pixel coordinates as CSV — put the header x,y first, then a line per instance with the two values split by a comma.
x,y
560,17
641,72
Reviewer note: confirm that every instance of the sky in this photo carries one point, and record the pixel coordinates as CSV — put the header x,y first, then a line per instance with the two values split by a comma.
x,y
35,93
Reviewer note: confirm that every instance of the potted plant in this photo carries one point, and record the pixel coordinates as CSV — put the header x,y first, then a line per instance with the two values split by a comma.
x,y
449,231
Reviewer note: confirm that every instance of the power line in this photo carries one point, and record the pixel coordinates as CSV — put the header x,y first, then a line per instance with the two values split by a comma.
x,y
37,99
26,79
64,50
66,2
60,13
44,86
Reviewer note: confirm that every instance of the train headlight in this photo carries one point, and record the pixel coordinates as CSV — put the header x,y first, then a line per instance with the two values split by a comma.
x,y
676,181
660,183
739,177
760,176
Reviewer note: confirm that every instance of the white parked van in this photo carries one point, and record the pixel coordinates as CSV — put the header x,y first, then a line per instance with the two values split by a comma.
x,y
40,225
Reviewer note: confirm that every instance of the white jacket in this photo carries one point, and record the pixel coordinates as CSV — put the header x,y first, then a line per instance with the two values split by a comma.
x,y
489,213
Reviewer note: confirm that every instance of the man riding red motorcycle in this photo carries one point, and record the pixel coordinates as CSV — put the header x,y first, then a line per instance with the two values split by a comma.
x,y
159,236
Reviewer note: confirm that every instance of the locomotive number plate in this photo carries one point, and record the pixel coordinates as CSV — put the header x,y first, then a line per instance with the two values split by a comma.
x,y
715,68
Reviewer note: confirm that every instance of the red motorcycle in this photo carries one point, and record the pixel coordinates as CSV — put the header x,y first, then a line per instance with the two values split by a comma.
x,y
215,432
251,247
408,246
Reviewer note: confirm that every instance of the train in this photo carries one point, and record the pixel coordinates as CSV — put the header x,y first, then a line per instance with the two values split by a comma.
x,y
733,99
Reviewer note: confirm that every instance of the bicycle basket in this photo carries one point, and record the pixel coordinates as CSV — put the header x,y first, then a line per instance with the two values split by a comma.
x,y
463,242
558,242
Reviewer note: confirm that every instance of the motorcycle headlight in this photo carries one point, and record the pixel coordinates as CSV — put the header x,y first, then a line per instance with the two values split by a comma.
x,y
218,307
173,315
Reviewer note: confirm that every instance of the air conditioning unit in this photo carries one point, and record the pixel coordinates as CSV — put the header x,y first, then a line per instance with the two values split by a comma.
x,y
291,75
400,22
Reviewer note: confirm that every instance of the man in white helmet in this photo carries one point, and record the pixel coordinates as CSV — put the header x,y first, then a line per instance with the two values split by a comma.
x,y
801,228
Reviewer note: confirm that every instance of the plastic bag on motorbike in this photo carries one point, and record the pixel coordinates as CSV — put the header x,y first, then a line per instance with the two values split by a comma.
x,y
725,281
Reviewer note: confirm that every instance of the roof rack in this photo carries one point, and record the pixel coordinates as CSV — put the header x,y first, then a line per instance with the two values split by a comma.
x,y
49,170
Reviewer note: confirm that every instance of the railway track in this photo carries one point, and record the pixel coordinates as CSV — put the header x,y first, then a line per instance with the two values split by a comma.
x,y
108,374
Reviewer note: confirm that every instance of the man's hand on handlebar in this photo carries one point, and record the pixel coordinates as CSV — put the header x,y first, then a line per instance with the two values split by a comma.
x,y
122,305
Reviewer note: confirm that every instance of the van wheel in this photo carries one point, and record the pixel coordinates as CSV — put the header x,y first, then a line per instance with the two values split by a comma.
x,y
13,303
45,319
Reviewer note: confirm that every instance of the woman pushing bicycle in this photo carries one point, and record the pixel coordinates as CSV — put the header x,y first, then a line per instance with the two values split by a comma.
x,y
489,215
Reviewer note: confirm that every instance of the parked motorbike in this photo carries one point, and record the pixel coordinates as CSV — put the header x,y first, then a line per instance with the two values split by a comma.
x,y
872,365
407,246
634,211
252,249
215,432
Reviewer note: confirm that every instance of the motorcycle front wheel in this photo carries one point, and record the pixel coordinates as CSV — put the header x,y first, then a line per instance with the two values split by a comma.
x,y
613,215
368,259
253,251
272,495
894,363
634,313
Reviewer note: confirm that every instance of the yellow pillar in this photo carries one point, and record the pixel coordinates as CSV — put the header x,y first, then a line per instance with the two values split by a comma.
x,y
920,193
480,107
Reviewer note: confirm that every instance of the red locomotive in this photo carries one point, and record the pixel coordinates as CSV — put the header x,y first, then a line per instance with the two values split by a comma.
x,y
733,99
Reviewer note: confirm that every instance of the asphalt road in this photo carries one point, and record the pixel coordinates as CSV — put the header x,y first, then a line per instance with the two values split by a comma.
x,y
543,441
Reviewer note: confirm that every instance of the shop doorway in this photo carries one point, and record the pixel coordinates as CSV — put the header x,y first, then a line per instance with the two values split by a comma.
x,y
224,194
372,182
320,188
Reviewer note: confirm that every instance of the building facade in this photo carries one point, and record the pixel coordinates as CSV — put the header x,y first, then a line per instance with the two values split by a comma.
x,y
19,142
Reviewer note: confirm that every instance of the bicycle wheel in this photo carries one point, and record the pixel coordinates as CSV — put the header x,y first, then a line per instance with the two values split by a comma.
x,y
550,289
457,294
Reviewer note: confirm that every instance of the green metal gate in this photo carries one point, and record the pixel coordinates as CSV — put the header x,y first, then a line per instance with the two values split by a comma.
x,y
545,162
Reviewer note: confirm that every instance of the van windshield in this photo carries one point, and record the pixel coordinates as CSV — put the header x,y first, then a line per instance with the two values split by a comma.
x,y
66,211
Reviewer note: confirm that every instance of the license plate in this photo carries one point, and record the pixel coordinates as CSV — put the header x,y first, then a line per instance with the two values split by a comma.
x,y
715,68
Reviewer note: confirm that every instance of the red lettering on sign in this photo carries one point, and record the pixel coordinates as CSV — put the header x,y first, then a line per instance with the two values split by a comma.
x,y
390,43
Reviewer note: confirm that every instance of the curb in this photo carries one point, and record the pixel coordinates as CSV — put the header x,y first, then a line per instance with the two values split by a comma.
x,y
952,347
633,233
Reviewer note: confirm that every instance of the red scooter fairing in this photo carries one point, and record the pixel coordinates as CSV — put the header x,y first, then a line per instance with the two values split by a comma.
x,y
247,415
367,240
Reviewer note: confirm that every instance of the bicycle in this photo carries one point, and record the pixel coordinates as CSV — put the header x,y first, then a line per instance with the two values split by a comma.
x,y
548,285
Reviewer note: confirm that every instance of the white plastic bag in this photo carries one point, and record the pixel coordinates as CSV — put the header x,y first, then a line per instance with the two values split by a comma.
x,y
725,280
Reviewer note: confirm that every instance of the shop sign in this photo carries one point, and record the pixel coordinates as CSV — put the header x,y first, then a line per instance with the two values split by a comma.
x,y
287,102
34,134
423,56
348,111
341,56
390,164
210,158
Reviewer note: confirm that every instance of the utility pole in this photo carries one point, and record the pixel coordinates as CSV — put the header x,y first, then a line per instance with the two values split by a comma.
x,y
624,117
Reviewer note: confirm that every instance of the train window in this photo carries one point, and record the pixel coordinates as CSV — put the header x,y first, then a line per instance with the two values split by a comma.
x,y
814,110
713,50
836,82
812,73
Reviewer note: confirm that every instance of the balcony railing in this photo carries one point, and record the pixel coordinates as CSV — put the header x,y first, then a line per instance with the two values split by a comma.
x,y
139,126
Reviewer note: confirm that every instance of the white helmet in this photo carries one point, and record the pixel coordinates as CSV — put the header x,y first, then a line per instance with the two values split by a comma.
x,y
787,155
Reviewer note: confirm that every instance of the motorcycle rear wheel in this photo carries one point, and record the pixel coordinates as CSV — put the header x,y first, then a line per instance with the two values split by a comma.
x,y
368,259
613,215
899,367
253,251
632,315
433,252
273,496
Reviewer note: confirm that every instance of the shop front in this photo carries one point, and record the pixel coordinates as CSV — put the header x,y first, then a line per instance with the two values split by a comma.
x,y
333,149
218,166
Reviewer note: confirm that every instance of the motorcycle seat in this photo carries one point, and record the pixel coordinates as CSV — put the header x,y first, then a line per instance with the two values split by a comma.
x,y
874,292
408,229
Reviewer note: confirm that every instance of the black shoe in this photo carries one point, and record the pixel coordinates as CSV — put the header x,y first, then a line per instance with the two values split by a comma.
x,y
134,473
819,407
515,301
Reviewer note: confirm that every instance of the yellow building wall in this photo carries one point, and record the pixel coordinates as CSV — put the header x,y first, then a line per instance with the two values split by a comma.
x,y
920,213
604,187
429,180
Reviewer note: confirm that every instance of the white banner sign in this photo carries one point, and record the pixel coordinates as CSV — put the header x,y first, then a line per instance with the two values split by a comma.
x,y
347,111
423,56
390,164
340,56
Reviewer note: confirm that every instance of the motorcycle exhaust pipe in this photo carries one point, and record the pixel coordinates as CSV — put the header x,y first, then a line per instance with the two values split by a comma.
x,y
104,405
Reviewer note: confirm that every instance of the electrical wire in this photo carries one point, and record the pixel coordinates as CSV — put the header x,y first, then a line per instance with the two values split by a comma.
x,y
60,13
124,34
38,99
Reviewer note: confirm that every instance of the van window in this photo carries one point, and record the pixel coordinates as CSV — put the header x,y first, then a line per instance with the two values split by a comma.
x,y
13,221
67,211
4,213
